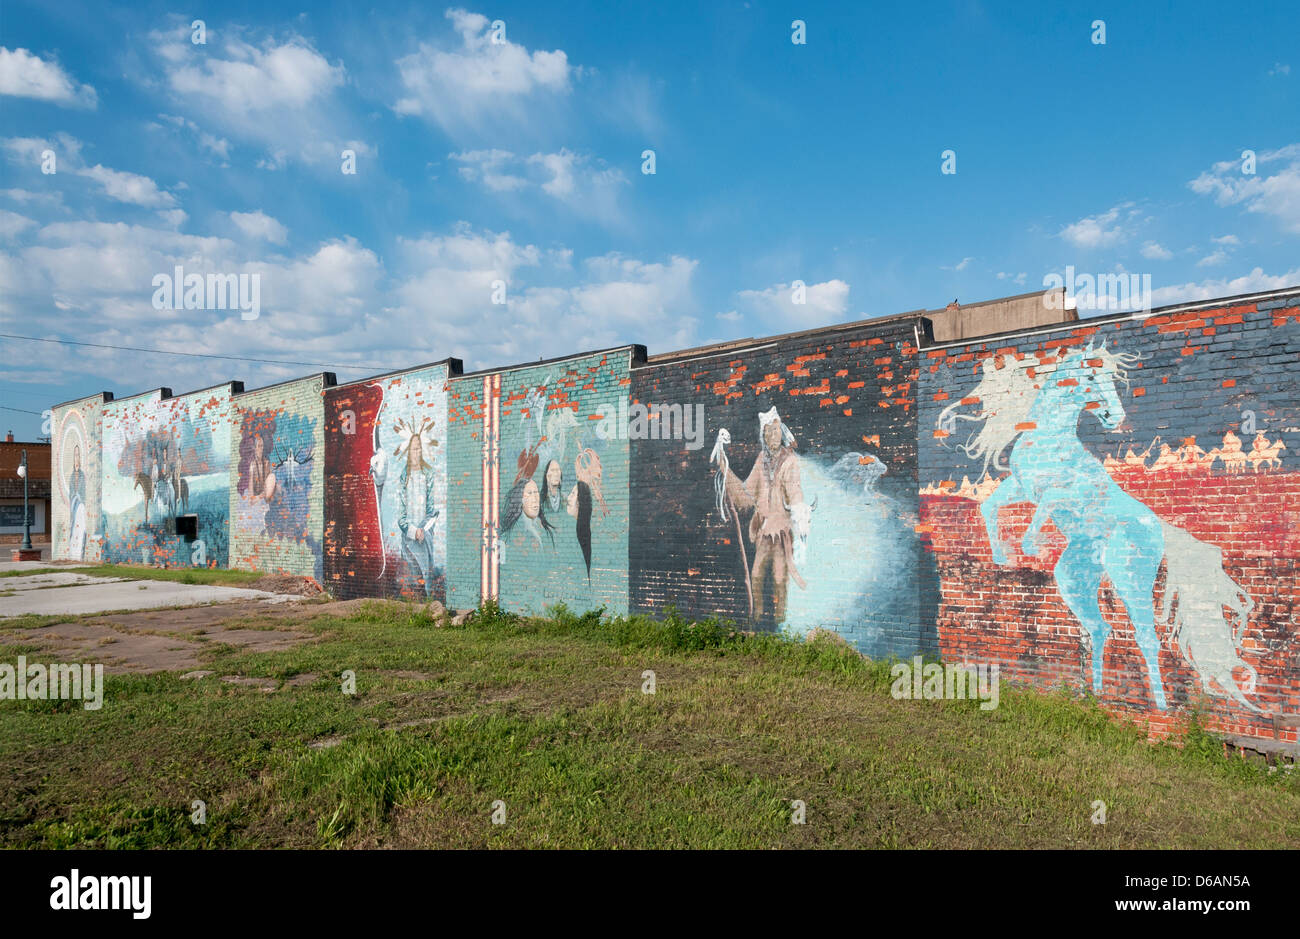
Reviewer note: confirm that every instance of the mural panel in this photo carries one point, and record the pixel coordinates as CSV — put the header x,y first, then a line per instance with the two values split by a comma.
x,y
1098,516
550,492
277,483
791,503
77,529
165,479
386,486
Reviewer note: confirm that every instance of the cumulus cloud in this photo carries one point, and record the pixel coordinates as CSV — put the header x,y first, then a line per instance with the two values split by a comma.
x,y
337,303
584,184
118,185
823,303
1254,282
25,75
130,188
217,146
1277,194
478,81
12,224
1100,231
260,225
1156,252
278,94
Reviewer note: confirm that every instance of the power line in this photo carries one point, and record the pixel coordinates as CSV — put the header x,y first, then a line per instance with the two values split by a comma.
x,y
204,355
5,407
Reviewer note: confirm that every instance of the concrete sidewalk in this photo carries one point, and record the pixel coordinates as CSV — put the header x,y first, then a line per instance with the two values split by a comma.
x,y
67,592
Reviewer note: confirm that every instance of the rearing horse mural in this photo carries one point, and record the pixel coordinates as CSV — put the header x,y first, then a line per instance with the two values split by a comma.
x,y
1033,408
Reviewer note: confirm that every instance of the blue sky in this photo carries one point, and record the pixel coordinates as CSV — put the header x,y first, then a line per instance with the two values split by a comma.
x,y
521,161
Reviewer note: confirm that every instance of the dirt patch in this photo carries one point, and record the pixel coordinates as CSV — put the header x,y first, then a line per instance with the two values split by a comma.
x,y
286,583
149,641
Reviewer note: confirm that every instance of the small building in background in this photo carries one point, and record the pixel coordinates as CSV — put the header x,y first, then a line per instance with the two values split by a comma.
x,y
11,490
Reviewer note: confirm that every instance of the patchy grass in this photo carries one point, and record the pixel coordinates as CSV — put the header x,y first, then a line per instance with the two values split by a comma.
x,y
547,715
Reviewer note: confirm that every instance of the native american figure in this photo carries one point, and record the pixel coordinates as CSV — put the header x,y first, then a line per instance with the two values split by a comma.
x,y
417,513
779,514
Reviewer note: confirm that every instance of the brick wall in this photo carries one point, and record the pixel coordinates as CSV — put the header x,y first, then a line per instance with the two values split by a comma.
x,y
537,493
1156,467
277,478
77,530
1139,475
379,541
848,400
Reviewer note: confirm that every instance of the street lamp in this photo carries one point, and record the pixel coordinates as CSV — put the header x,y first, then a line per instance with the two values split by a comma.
x,y
27,519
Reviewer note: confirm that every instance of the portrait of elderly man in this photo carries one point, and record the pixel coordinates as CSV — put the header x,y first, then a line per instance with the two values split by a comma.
x,y
779,514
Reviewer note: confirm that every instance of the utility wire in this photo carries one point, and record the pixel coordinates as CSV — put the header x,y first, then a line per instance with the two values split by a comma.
x,y
205,355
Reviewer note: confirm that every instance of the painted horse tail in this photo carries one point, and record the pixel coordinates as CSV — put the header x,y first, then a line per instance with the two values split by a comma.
x,y
1197,588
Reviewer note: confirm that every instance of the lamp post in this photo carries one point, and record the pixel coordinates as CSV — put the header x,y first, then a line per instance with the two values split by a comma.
x,y
27,519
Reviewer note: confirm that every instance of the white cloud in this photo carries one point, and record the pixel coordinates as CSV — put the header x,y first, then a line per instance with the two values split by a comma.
x,y
277,94
584,184
217,146
130,188
1280,69
1254,282
260,225
731,316
959,266
26,196
487,166
1100,231
824,303
481,81
25,75
1277,195
254,81
12,224
1226,240
337,304
1218,257
1156,252
1015,278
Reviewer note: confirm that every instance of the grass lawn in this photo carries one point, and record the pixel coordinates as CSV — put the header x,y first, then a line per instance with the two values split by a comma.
x,y
548,716
221,577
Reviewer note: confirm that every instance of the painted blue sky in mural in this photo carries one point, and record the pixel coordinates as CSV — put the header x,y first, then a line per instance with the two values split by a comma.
x,y
521,161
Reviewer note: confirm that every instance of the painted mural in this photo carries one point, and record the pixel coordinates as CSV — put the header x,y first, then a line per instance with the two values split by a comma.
x,y
1102,521
556,534
75,533
1110,505
165,480
803,515
548,529
386,476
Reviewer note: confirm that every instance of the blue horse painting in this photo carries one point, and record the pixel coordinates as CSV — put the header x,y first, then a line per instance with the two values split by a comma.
x,y
1111,535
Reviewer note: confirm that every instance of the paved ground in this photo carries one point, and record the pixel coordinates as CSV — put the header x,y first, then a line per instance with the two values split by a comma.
x,y
70,593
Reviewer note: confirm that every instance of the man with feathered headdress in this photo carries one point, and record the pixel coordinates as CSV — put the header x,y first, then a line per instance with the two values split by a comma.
x,y
779,516
415,496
